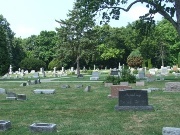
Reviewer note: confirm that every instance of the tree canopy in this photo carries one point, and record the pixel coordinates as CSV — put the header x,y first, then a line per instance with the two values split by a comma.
x,y
111,9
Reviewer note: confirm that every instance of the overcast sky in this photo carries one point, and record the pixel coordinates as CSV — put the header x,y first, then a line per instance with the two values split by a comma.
x,y
30,17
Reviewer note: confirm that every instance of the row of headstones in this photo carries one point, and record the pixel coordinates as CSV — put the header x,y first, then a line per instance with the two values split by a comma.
x,y
35,127
51,127
31,82
87,88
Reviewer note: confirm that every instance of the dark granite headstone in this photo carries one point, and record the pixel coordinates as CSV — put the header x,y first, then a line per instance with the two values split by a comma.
x,y
114,73
133,100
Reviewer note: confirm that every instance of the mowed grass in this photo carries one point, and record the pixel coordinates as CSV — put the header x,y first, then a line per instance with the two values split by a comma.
x,y
78,113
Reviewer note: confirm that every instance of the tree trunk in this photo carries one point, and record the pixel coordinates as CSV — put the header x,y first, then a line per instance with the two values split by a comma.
x,y
177,6
78,66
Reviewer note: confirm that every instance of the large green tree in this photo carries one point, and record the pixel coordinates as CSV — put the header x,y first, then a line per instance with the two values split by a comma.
x,y
6,39
111,9
76,37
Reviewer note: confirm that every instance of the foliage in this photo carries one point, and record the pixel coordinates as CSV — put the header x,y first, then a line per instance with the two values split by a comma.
x,y
149,64
32,64
6,37
54,63
112,9
135,59
179,59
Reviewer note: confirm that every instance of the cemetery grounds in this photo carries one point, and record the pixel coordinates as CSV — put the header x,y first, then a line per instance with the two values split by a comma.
x,y
77,112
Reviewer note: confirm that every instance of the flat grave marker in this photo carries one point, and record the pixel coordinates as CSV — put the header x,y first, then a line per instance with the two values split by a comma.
x,y
43,127
44,91
5,125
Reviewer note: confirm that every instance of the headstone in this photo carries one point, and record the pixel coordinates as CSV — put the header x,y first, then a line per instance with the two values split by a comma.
x,y
164,70
172,86
170,131
23,84
108,84
141,83
28,82
5,125
87,89
2,91
124,83
11,96
175,68
95,75
78,86
44,91
116,88
21,97
152,71
63,70
36,75
141,74
72,69
114,73
80,76
10,70
64,86
133,100
43,127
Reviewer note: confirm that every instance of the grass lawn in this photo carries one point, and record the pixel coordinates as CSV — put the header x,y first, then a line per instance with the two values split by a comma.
x,y
79,113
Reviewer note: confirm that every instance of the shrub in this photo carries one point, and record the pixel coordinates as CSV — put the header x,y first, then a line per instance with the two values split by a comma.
x,y
135,59
54,63
32,64
89,72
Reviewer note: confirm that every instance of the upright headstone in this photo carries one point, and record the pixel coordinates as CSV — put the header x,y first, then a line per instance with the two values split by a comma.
x,y
2,91
11,96
87,89
5,125
141,74
133,100
36,75
10,70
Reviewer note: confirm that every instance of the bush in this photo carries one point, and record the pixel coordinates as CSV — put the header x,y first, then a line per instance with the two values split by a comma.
x,y
125,76
32,64
89,72
54,63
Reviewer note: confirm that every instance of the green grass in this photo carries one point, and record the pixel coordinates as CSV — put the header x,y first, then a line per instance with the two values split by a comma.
x,y
78,113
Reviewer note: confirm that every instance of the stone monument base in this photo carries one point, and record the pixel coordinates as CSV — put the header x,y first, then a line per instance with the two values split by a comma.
x,y
133,108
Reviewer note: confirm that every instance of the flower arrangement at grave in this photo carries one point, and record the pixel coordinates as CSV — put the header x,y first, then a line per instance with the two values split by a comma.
x,y
135,59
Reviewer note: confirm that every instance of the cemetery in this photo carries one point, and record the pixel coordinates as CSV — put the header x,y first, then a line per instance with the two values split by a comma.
x,y
67,104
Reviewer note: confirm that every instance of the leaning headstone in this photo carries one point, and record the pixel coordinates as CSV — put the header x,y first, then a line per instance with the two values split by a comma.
x,y
87,89
133,100
115,90
5,125
170,131
21,97
172,86
43,127
2,91
11,96
64,86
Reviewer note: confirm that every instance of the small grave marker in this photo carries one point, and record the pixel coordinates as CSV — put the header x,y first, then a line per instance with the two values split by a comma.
x,y
79,86
21,97
141,83
170,131
87,89
44,91
64,86
124,83
2,91
133,100
5,125
11,96
43,127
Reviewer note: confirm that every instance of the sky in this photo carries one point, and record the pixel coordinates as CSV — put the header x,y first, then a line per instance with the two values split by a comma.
x,y
30,17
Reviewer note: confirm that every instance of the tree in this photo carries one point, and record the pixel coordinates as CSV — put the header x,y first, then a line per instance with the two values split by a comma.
x,y
76,37
167,8
135,59
6,38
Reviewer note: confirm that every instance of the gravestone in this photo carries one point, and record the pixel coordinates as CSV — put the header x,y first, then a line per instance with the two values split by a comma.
x,y
114,73
108,84
133,100
23,84
95,75
170,131
64,86
11,96
164,70
44,91
87,89
172,87
21,97
80,76
36,75
141,74
28,82
43,127
5,125
141,83
2,91
115,90
78,86
124,83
